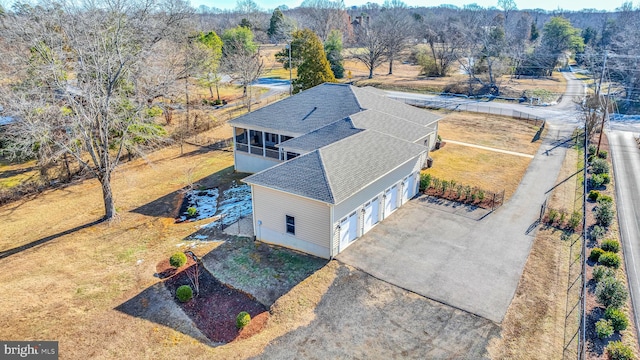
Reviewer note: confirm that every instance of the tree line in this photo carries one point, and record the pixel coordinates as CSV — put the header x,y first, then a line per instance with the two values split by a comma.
x,y
84,80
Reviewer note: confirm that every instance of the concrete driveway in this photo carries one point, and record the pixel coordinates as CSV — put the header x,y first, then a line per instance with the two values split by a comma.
x,y
454,257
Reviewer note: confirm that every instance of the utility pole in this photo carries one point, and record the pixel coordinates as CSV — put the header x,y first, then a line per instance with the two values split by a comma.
x,y
290,81
604,66
605,112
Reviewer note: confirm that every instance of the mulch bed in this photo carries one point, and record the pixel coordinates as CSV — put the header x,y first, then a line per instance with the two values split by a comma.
x,y
215,308
486,203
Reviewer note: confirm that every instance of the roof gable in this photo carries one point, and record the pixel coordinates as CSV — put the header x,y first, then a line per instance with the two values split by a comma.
x,y
321,137
372,99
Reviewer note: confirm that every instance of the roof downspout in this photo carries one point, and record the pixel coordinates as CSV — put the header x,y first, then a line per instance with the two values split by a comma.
x,y
331,232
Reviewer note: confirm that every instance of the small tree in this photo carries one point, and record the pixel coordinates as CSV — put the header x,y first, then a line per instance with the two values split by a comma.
x,y
371,50
333,49
313,68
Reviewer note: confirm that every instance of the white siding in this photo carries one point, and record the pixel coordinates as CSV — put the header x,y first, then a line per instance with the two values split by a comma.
x,y
356,201
245,162
312,220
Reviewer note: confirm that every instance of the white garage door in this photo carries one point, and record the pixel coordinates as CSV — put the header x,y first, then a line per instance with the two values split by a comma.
x,y
371,214
391,200
408,188
348,230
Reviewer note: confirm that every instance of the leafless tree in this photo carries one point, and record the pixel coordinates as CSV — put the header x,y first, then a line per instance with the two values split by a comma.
x,y
398,29
372,50
79,85
322,16
446,40
244,65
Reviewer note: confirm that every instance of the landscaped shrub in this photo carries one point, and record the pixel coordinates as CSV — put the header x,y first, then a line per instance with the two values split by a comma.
x,y
243,319
184,293
481,195
425,181
619,351
611,245
596,181
604,329
606,179
604,214
611,292
609,259
595,254
178,259
574,220
603,154
599,166
191,211
593,195
604,199
598,232
591,149
617,317
600,272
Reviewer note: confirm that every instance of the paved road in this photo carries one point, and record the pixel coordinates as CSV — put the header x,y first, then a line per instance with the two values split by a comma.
x,y
474,265
626,165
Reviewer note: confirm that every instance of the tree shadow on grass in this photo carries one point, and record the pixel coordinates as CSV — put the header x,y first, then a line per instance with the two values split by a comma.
x,y
44,240
168,205
238,275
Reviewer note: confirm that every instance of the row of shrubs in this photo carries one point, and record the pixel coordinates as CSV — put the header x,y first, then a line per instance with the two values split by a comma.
x,y
452,189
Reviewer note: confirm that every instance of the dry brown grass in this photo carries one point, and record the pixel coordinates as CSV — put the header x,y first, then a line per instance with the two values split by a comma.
x,y
498,132
488,170
534,326
67,289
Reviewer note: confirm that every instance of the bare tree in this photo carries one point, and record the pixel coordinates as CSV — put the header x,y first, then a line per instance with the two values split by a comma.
x,y
446,40
78,90
372,49
322,16
398,26
244,64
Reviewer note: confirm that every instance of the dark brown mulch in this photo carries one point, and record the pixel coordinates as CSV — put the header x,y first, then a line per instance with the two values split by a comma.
x,y
214,310
486,203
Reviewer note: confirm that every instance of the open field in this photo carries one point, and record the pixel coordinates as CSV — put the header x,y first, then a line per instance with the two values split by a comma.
x,y
488,170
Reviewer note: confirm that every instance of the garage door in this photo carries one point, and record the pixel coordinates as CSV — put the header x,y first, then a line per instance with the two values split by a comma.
x,y
348,230
391,200
408,188
371,214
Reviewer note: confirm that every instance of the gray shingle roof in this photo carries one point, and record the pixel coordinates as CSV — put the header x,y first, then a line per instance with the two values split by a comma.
x,y
335,172
303,112
371,99
321,137
389,124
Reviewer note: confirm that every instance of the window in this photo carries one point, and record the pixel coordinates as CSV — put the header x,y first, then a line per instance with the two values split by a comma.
x,y
291,225
291,155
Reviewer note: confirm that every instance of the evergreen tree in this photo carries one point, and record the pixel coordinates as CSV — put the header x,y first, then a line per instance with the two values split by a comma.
x,y
333,49
313,67
276,26
535,34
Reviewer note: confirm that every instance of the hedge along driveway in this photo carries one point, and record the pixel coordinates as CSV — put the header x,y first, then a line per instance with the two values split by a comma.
x,y
471,265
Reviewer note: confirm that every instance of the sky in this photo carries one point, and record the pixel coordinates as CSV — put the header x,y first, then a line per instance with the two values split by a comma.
x,y
522,4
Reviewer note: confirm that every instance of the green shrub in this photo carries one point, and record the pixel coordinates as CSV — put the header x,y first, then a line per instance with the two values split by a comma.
x,y
593,195
243,319
191,211
609,259
611,292
604,214
596,181
617,317
574,220
178,259
553,216
600,272
184,293
604,329
605,199
481,195
606,179
595,254
598,232
425,181
591,149
611,245
616,350
599,166
603,154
